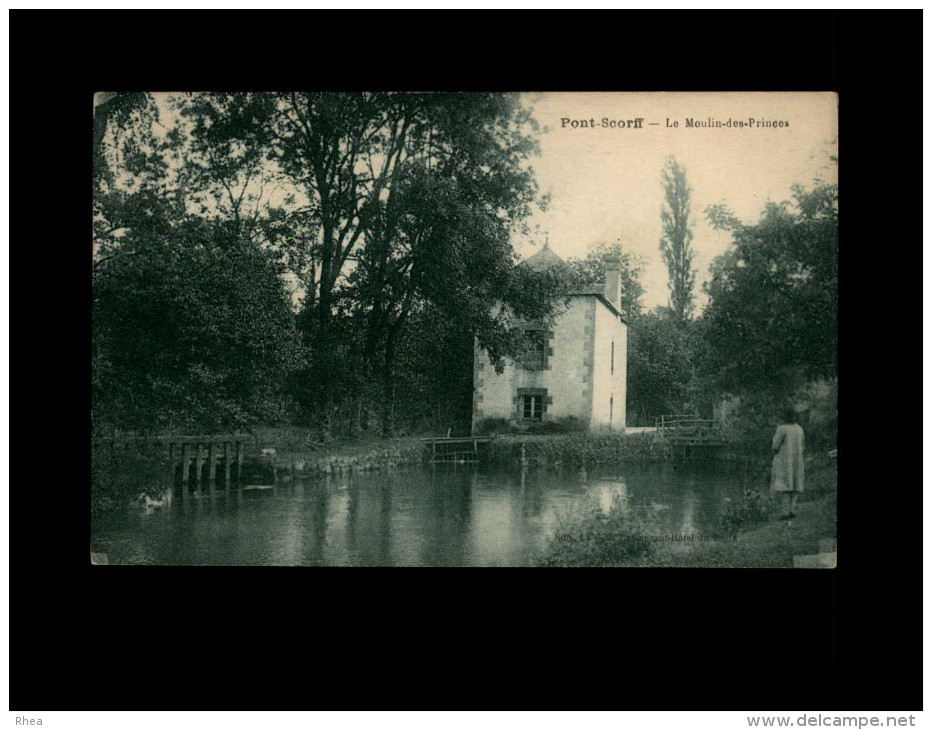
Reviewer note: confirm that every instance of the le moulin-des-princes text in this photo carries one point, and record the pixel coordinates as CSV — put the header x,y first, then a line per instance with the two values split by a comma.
x,y
688,122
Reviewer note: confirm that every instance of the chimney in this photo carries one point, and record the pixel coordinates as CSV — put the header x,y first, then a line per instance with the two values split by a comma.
x,y
612,289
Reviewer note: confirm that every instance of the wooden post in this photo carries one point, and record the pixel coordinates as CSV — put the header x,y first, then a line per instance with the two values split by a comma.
x,y
185,467
227,452
212,465
199,464
239,462
170,470
171,465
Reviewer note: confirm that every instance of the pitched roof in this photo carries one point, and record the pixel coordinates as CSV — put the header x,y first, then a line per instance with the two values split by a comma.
x,y
547,259
543,259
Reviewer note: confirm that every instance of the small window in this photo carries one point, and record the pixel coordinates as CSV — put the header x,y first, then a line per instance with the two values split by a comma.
x,y
533,407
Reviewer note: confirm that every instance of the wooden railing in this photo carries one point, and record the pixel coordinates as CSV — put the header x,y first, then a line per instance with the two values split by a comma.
x,y
690,429
457,449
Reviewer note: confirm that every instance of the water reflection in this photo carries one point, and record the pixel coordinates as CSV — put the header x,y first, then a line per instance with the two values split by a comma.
x,y
688,524
440,515
613,496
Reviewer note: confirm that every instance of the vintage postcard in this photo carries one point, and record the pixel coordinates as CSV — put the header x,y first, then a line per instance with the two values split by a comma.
x,y
465,329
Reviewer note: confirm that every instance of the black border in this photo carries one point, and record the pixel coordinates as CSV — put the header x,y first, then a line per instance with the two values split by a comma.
x,y
126,638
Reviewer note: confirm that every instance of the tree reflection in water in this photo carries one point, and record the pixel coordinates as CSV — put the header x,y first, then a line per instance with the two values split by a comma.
x,y
444,515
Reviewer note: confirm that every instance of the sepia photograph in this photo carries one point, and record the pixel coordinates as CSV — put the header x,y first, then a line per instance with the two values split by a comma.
x,y
464,329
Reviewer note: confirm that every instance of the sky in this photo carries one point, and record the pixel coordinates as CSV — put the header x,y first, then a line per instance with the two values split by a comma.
x,y
605,182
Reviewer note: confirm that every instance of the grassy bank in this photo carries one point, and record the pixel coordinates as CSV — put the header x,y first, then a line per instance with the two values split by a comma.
x,y
626,537
578,449
295,447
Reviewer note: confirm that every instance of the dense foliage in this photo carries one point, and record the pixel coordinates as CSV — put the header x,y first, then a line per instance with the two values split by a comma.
x,y
190,333
766,339
771,318
329,260
388,216
662,373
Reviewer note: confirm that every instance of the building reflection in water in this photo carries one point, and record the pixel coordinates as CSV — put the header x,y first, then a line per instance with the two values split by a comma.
x,y
613,497
690,505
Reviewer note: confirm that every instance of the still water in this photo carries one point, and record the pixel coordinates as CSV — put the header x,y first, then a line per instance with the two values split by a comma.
x,y
435,516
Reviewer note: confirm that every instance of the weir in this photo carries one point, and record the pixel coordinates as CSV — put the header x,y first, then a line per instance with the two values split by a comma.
x,y
206,454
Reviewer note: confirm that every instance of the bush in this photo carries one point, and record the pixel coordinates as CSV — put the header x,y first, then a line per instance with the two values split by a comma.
x,y
749,421
191,331
750,509
821,478
586,536
488,426
581,449
567,424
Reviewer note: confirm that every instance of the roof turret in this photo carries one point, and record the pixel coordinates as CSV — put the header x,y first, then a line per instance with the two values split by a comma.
x,y
543,259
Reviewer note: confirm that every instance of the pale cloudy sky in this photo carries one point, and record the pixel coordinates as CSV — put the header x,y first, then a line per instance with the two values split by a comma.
x,y
605,182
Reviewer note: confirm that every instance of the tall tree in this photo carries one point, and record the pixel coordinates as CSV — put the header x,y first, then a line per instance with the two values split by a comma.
x,y
414,198
676,237
771,317
388,205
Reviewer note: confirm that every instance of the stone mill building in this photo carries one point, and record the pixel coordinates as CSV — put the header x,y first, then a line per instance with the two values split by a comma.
x,y
577,367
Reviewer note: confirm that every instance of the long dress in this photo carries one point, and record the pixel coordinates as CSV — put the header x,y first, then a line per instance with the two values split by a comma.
x,y
788,473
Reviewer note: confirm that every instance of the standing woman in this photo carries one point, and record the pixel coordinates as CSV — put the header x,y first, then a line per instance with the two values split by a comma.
x,y
788,471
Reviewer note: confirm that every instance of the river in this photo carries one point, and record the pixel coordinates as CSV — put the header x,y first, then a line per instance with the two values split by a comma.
x,y
415,516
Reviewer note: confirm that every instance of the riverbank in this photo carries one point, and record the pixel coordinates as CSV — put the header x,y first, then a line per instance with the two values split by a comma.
x,y
285,452
142,467
578,449
624,537
293,448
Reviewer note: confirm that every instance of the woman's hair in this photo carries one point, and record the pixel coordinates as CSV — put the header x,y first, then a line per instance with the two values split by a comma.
x,y
789,414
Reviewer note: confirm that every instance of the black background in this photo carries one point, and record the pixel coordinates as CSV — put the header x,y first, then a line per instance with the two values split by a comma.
x,y
136,638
